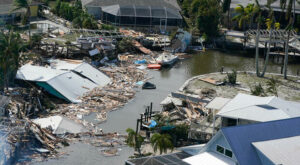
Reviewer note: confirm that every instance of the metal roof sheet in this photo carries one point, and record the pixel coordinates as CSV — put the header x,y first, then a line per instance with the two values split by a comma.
x,y
256,108
82,68
37,73
70,85
281,151
240,138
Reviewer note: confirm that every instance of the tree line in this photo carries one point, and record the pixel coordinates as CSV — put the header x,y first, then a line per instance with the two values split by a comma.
x,y
73,12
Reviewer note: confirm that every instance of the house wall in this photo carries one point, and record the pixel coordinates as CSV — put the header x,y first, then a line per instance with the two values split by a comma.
x,y
221,141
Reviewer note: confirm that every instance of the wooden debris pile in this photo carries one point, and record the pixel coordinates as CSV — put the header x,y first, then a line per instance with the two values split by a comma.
x,y
108,98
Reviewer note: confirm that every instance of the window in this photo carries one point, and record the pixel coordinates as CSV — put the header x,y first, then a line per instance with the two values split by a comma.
x,y
220,149
228,153
224,151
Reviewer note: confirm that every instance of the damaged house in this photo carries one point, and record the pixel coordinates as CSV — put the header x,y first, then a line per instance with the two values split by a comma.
x,y
67,80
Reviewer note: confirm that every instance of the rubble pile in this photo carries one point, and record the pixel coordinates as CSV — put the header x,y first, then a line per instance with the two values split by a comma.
x,y
108,98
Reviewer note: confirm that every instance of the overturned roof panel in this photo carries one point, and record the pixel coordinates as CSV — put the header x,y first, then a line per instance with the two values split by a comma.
x,y
37,73
63,84
83,69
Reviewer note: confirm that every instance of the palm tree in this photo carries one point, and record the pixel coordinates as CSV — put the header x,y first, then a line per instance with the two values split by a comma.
x,y
162,142
24,4
270,26
289,7
244,14
134,140
226,8
257,10
241,16
11,46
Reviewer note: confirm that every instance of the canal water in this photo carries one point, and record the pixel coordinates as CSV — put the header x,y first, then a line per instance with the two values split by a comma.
x,y
166,81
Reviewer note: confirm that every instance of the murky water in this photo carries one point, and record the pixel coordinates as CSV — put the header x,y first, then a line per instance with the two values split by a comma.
x,y
166,81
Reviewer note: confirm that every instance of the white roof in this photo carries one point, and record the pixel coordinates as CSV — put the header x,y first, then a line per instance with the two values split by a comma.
x,y
72,86
217,103
261,109
83,68
68,84
37,73
209,158
281,151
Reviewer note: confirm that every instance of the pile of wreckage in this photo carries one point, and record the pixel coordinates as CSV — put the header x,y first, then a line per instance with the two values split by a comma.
x,y
184,108
76,89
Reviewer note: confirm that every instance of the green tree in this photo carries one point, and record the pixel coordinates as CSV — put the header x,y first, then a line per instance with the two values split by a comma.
x,y
270,22
161,142
289,7
244,15
259,19
24,4
208,17
125,45
134,140
226,8
11,45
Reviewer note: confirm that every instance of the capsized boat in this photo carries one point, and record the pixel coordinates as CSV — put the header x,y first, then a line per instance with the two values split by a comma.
x,y
166,59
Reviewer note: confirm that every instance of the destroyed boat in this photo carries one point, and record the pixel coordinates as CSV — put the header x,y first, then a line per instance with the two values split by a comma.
x,y
166,59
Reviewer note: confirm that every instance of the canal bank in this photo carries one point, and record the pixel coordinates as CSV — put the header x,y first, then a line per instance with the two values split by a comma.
x,y
166,81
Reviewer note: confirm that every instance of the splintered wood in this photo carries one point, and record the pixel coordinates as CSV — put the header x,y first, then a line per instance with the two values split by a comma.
x,y
108,98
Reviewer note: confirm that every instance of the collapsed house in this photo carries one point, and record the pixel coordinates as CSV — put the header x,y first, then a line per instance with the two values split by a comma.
x,y
67,80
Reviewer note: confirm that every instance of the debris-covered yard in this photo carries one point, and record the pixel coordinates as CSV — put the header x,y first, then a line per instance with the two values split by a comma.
x,y
287,89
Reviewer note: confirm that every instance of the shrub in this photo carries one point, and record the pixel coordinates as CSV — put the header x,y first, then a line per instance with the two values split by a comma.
x,y
232,77
258,90
272,86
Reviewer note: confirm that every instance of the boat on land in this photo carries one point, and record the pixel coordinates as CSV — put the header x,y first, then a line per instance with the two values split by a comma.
x,y
166,59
